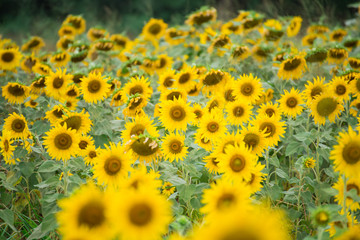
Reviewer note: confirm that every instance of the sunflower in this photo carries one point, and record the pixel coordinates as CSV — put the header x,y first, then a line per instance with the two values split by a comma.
x,y
238,112
314,89
78,22
117,99
257,177
167,189
214,79
351,43
290,103
346,155
56,83
310,39
134,106
71,93
64,42
139,125
138,85
42,68
94,34
15,93
260,53
173,147
215,103
16,126
94,87
60,59
163,63
248,88
294,26
212,163
338,35
85,214
317,55
325,105
85,143
55,114
212,126
34,44
352,233
355,107
220,45
199,113
6,147
226,92
120,42
186,77
112,165
176,114
31,103
140,215
351,183
273,128
174,36
269,109
340,88
292,68
166,80
80,122
154,29
337,55
200,140
67,30
90,158
354,63
230,27
255,139
240,53
28,62
145,148
141,178
201,17
9,58
223,196
227,139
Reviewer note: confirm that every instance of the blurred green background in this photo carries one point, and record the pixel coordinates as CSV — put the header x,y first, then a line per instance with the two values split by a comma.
x,y
20,19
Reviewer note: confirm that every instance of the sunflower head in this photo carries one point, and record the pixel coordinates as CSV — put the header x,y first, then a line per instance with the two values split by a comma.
x,y
15,93
9,58
154,29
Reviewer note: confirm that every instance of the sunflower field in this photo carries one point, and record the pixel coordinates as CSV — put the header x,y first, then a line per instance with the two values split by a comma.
x,y
246,129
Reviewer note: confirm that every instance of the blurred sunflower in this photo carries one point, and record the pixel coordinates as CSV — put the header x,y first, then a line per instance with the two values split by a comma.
x,y
174,36
273,128
139,125
28,62
340,88
166,80
230,27
173,147
199,112
248,88
56,83
215,103
176,114
212,163
317,55
60,59
80,122
313,89
6,147
351,233
120,42
55,114
15,93
9,58
85,142
355,107
31,103
34,44
163,63
228,139
154,29
240,53
138,85
354,63
78,22
117,99
167,189
290,103
238,112
90,158
294,26
269,109
337,55
67,30
351,183
338,35
201,17
220,45
134,106
325,105
94,34
292,68
185,77
94,87
213,80
16,126
64,42
255,139
212,126
144,148
257,177
203,142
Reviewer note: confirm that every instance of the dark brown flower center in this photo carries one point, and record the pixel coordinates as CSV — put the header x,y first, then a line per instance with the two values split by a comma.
x,y
18,125
353,186
354,63
173,95
140,214
137,129
136,89
292,64
7,57
270,112
168,81
83,144
73,122
229,97
175,146
184,78
226,200
94,86
92,214
213,78
155,28
58,82
251,140
237,163
351,152
58,113
177,113
247,89
6,145
229,143
30,62
291,102
63,141
340,89
16,90
337,53
238,111
269,128
326,106
213,127
112,165
92,154
316,91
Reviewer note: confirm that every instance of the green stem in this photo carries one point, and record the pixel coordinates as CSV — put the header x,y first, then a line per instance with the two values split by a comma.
x,y
317,155
65,178
320,233
345,196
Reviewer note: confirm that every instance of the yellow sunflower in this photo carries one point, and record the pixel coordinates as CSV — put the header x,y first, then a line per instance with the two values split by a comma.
x,y
176,114
200,140
352,233
78,22
238,112
112,165
273,128
139,125
166,80
137,85
140,215
337,35
42,68
141,178
6,147
15,93
31,103
325,105
117,99
220,45
346,155
174,36
223,196
255,139
212,126
313,89
120,42
248,88
317,55
71,93
269,109
185,77
145,148
55,114
56,83
213,80
340,88
66,30
60,59
80,122
257,177
351,183
199,113
292,68
154,29
94,34
91,155
62,143
167,189
294,26
94,87
163,63
85,214
28,62
230,27
64,42
16,126
134,106
173,147
215,103
240,53
355,107
237,163
85,143
9,58
173,93
201,17
290,103
34,44
38,85
212,163
337,55
354,63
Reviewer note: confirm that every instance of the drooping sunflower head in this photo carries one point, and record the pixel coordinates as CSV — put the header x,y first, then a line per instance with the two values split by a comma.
x,y
154,29
212,163
34,44
325,106
174,36
294,26
354,63
260,52
240,53
291,103
94,34
215,103
292,68
203,142
9,58
120,42
60,59
317,55
351,43
201,17
67,30
337,55
15,93
117,98
214,79
78,22
64,42
338,35
220,43
94,87
28,62
134,105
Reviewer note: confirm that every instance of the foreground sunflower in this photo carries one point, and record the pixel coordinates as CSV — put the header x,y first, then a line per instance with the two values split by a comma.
x,y
290,103
292,68
212,126
248,87
16,126
213,80
56,83
140,215
346,154
9,58
15,93
80,122
62,143
84,215
94,87
273,128
313,89
112,165
325,106
173,147
137,126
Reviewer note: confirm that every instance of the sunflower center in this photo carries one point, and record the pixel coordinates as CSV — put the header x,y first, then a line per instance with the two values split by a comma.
x,y
291,102
351,153
229,143
336,53
94,86
171,96
185,77
7,57
134,104
213,78
117,97
213,127
226,200
340,90
155,29
240,234
120,42
58,113
292,64
6,145
221,42
270,112
136,89
316,91
247,89
83,144
239,51
63,141
29,62
175,146
200,19
238,111
214,161
140,214
112,165
269,128
33,43
251,140
16,90
18,125
354,63
58,82
213,105
137,130
193,90
73,122
92,154
91,214
237,163
353,186
77,78
40,83
229,96
168,81
76,23
142,148
71,93
198,114
177,113
162,63
326,106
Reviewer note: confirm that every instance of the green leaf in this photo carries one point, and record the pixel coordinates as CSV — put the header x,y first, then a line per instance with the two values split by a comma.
x,y
186,192
27,168
8,217
274,161
292,148
52,181
176,181
281,173
49,223
49,166
195,203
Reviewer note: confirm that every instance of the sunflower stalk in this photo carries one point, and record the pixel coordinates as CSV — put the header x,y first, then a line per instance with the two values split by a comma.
x,y
345,196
